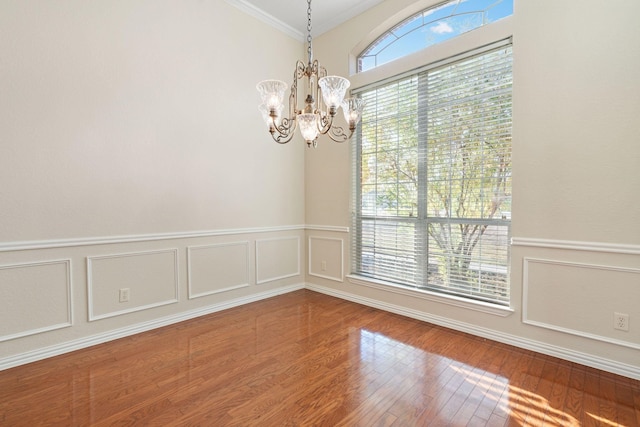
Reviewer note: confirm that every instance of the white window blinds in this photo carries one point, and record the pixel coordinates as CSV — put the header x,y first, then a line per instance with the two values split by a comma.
x,y
432,195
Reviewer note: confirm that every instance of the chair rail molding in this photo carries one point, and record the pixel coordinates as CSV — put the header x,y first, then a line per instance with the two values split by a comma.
x,y
617,248
135,238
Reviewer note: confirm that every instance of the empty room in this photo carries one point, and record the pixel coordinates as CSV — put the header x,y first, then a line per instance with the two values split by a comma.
x,y
319,213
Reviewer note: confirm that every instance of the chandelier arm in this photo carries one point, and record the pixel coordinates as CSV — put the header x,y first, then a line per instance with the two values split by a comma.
x,y
300,71
316,69
325,122
337,134
320,73
298,74
281,140
285,131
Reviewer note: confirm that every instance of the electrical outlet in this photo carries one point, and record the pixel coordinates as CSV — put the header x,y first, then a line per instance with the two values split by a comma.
x,y
323,266
124,295
621,321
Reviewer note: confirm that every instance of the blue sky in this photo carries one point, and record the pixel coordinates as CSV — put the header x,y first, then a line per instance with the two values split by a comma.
x,y
434,26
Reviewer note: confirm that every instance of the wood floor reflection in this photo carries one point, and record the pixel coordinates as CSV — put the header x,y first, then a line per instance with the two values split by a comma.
x,y
307,359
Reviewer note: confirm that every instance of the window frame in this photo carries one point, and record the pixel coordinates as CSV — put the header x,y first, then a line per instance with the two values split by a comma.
x,y
435,56
390,36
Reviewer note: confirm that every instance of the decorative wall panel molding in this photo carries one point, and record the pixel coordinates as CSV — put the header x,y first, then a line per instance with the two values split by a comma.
x,y
277,258
43,289
326,257
577,246
150,278
581,299
217,268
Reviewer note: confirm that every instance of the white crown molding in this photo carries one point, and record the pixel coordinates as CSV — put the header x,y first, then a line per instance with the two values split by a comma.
x,y
318,29
601,363
263,16
617,248
352,12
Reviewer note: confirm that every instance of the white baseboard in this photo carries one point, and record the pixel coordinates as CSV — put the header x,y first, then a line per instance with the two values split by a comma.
x,y
69,346
608,365
516,341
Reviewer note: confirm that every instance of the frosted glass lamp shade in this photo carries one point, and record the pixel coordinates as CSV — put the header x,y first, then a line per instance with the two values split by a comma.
x,y
333,90
352,109
272,93
308,126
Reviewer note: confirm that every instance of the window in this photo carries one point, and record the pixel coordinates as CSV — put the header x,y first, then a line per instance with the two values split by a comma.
x,y
433,178
432,26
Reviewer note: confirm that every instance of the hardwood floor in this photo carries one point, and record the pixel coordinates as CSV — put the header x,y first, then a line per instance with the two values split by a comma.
x,y
307,359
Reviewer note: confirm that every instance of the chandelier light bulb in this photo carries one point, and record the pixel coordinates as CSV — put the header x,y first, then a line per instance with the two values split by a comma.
x,y
308,127
333,89
272,93
352,110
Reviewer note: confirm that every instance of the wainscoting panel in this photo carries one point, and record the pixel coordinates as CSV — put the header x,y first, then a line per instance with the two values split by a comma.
x,y
326,255
277,258
150,277
217,268
58,296
42,289
581,299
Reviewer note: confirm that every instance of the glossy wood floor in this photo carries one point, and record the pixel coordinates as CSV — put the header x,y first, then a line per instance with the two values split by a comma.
x,y
307,359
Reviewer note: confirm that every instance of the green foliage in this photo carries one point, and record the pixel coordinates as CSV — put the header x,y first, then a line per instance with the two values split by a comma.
x,y
458,139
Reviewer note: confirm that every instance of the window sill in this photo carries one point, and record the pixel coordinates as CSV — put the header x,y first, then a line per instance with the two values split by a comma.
x,y
484,307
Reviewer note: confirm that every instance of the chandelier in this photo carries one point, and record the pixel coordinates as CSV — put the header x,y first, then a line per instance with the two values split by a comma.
x,y
326,94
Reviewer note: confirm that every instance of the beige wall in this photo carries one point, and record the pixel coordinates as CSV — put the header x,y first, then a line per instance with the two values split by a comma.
x,y
123,117
576,174
132,155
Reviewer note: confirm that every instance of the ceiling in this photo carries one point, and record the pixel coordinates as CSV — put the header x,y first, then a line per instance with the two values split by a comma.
x,y
290,16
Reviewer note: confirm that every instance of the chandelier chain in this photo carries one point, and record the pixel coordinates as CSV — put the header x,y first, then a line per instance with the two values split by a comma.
x,y
309,50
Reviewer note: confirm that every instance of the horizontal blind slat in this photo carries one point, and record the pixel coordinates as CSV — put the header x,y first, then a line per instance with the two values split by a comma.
x,y
446,127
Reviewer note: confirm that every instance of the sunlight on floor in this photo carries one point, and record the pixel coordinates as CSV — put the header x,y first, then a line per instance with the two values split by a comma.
x,y
519,403
603,421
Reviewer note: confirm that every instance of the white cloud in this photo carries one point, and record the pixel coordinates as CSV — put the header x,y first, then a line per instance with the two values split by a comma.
x,y
441,28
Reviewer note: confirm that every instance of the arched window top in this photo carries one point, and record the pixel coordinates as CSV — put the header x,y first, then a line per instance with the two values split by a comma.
x,y
431,26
